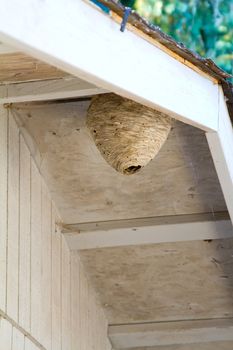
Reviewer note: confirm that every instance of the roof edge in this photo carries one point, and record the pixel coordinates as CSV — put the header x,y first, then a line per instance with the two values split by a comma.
x,y
204,64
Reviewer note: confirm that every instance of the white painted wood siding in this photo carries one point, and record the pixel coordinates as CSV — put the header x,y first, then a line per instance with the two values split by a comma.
x,y
46,301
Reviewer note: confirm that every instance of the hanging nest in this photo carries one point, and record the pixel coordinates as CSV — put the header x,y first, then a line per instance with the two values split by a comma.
x,y
128,134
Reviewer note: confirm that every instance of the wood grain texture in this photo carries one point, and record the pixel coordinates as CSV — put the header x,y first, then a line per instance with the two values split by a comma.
x,y
187,84
171,333
166,281
3,201
46,269
76,341
42,288
25,236
5,334
83,314
13,222
86,189
66,295
17,339
52,89
36,247
56,284
18,67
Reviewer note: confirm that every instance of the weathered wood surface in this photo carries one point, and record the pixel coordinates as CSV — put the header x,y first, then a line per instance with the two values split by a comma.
x,y
19,67
180,180
163,282
175,228
35,295
221,146
52,89
171,333
6,49
118,75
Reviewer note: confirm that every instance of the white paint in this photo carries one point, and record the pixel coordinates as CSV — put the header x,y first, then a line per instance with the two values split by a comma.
x,y
17,340
170,333
46,269
47,90
103,57
75,302
221,147
147,231
29,345
66,296
3,211
6,49
5,334
36,248
56,285
13,222
163,82
25,236
38,287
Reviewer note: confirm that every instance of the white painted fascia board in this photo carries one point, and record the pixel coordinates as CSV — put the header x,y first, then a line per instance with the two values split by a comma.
x,y
87,43
170,333
221,148
6,49
146,231
47,90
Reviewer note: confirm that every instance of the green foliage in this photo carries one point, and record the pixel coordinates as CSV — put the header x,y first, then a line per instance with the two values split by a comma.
x,y
204,26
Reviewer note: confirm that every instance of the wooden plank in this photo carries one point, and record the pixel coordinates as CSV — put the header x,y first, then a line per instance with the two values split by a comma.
x,y
76,335
29,345
56,284
148,230
47,90
83,315
17,340
169,333
46,269
5,334
35,252
66,296
25,238
3,202
91,320
221,146
171,87
18,67
13,222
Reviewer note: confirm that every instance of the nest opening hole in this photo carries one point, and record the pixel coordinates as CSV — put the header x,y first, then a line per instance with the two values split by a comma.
x,y
132,169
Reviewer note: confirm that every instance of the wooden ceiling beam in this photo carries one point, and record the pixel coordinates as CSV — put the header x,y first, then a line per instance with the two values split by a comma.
x,y
174,228
124,63
170,333
47,90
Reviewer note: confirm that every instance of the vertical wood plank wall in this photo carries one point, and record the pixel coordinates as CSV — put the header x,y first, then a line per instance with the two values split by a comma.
x,y
46,301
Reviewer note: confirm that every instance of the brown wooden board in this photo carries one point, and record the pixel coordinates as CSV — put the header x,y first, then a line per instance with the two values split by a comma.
x,y
18,67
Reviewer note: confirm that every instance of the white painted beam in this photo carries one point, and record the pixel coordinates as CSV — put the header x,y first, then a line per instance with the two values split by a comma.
x,y
147,231
221,147
6,49
76,37
47,90
170,333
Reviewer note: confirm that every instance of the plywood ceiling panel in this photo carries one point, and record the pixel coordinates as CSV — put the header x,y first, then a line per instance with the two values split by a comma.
x,y
225,345
18,67
180,180
163,282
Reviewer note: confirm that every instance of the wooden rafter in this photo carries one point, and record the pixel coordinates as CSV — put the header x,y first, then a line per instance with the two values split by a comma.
x,y
174,228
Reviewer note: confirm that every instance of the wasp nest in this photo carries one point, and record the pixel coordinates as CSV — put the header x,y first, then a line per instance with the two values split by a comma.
x,y
128,134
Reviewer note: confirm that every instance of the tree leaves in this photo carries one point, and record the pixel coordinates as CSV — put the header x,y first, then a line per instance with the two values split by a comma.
x,y
205,26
